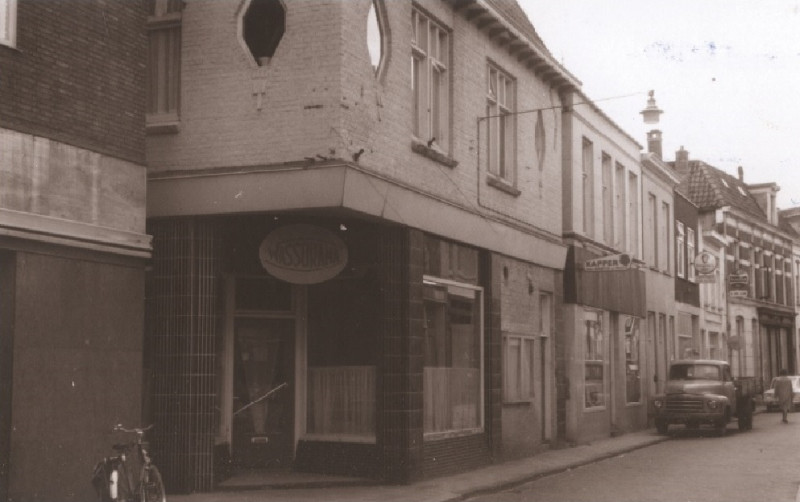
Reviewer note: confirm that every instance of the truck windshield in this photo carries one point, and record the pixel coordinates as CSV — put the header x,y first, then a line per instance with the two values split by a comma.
x,y
694,372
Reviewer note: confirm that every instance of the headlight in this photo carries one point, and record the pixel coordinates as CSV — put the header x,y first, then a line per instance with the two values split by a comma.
x,y
713,404
658,403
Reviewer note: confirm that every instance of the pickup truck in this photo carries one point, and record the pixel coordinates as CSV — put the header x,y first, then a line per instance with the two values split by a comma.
x,y
703,392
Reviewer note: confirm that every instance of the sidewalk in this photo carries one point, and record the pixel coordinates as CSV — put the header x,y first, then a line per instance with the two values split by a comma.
x,y
449,488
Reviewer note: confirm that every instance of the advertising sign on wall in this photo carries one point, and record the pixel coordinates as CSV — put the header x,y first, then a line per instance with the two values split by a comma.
x,y
303,254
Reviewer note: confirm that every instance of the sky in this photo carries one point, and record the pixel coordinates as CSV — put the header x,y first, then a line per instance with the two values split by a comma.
x,y
726,73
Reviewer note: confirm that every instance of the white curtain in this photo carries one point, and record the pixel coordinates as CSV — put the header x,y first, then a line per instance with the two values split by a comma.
x,y
451,398
341,400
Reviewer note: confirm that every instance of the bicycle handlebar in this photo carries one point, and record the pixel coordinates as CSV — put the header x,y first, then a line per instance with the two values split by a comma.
x,y
137,430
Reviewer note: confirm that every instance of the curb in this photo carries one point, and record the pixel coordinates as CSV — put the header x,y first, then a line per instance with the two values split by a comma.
x,y
534,476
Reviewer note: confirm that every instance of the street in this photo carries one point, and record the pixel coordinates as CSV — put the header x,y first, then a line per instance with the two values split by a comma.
x,y
694,465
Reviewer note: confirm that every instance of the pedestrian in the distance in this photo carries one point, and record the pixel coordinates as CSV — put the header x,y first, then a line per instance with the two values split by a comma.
x,y
784,393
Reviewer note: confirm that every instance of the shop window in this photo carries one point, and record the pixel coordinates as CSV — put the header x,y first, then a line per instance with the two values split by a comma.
x,y
518,362
377,35
430,80
164,65
342,350
8,22
263,25
594,354
502,134
452,368
633,376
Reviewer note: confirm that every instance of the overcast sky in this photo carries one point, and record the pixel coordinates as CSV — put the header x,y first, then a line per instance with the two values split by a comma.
x,y
725,72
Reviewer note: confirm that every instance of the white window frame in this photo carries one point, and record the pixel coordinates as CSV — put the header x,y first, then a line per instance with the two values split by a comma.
x,y
479,292
8,22
501,90
430,81
594,345
680,249
520,350
607,179
690,254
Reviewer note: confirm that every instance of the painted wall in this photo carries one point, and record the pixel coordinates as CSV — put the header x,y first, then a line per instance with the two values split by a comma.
x,y
77,370
528,426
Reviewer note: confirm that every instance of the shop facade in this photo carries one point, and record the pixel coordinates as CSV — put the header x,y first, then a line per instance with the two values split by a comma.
x,y
387,365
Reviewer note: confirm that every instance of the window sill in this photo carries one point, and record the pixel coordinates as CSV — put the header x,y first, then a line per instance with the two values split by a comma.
x,y
339,438
434,154
517,404
502,185
158,127
434,436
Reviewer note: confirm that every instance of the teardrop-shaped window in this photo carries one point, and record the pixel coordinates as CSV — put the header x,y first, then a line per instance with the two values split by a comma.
x,y
540,140
375,36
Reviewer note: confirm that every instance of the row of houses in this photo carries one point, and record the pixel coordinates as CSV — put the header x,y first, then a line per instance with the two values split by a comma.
x,y
383,239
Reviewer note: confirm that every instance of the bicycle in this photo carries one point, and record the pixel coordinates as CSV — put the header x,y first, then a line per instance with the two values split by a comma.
x,y
113,477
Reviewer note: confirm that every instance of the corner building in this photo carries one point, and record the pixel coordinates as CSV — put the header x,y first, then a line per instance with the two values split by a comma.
x,y
387,138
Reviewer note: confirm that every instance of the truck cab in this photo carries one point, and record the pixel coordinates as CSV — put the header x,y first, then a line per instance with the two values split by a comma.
x,y
703,392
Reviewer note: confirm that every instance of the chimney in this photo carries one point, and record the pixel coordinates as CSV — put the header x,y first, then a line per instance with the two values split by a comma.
x,y
682,160
654,142
741,174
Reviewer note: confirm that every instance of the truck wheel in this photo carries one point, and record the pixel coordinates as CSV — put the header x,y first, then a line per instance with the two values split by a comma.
x,y
662,426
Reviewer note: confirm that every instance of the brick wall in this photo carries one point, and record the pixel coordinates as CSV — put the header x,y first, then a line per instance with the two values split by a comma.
x,y
77,75
321,98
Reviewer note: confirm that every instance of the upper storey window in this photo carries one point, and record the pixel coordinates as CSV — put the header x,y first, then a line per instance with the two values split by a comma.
x,y
376,36
8,22
430,80
164,65
500,98
263,25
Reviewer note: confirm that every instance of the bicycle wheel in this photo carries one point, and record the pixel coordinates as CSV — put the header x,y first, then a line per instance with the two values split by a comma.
x,y
151,487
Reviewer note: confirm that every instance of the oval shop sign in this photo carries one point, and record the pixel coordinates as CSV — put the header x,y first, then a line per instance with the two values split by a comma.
x,y
303,254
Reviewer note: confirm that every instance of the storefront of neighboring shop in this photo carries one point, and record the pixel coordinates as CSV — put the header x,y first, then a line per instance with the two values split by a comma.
x,y
604,363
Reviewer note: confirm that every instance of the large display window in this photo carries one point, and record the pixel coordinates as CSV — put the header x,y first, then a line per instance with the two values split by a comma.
x,y
453,369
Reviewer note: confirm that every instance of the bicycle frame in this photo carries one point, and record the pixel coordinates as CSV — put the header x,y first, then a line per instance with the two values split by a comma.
x,y
129,476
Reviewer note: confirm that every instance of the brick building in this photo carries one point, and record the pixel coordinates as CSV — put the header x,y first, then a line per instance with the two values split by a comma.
x,y
602,354
760,275
383,238
72,240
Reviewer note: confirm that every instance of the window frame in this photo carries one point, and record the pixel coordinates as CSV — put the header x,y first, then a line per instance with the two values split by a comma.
x,y
8,21
514,386
680,249
633,357
429,280
594,337
691,253
501,125
431,97
163,23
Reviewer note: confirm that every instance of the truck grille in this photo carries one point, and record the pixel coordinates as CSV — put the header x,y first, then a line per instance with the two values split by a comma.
x,y
684,403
